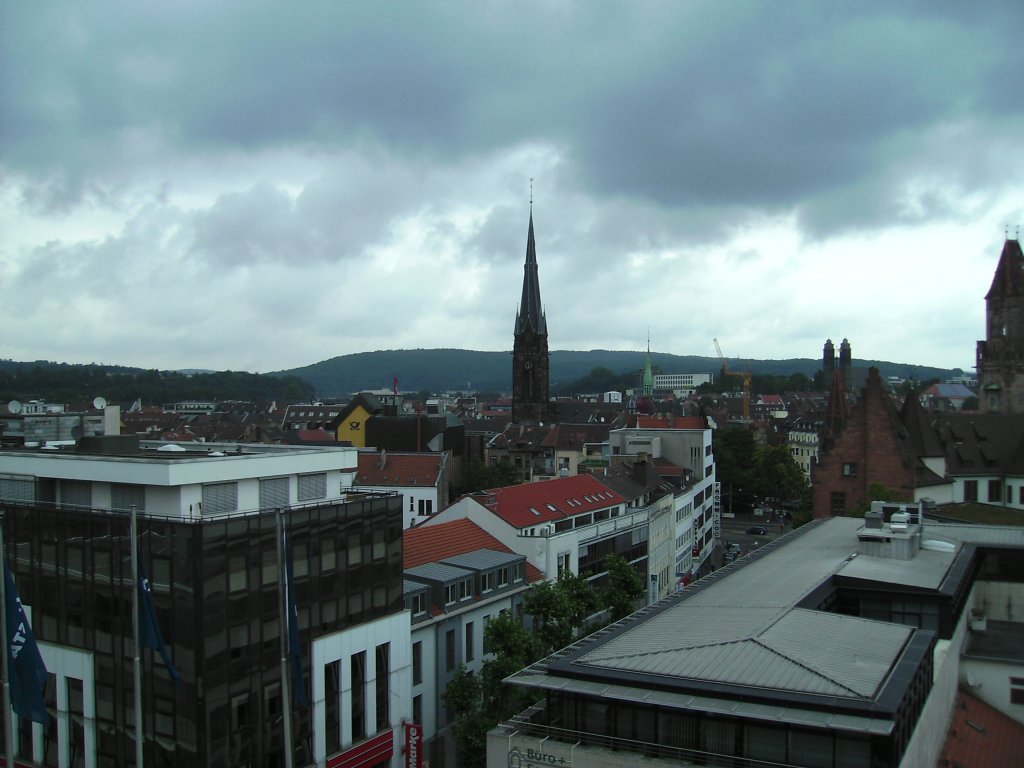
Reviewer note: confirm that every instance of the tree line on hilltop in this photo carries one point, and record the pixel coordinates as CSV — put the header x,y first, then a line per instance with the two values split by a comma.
x,y
65,383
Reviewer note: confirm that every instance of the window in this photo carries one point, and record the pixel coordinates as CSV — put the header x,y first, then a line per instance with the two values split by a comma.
x,y
358,667
451,593
417,663
328,557
417,709
382,686
238,575
469,641
123,496
417,604
517,572
503,576
274,493
219,498
838,503
487,581
76,492
1017,690
312,486
239,712
355,549
426,507
970,490
995,490
380,543
449,651
563,563
850,469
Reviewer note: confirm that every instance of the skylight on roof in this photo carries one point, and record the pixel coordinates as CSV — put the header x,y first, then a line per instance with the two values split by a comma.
x,y
552,507
532,509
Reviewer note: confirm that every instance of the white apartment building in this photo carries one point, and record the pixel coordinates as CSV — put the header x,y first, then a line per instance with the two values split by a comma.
x,y
680,384
697,504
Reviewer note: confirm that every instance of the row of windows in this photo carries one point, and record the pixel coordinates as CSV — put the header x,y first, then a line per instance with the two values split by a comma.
x,y
995,491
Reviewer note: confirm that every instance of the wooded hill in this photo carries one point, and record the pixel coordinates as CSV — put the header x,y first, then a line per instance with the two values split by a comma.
x,y
433,370
439,370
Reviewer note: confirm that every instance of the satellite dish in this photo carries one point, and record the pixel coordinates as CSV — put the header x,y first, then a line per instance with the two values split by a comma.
x,y
99,403
14,406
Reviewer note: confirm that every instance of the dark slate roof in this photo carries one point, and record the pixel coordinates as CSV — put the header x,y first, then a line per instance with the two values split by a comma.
x,y
437,572
1009,277
531,312
982,443
482,559
574,436
919,428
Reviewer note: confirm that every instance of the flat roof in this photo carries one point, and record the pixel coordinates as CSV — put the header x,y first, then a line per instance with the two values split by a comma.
x,y
739,638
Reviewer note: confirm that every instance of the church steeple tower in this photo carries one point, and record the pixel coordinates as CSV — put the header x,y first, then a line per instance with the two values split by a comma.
x,y
1000,357
648,372
530,348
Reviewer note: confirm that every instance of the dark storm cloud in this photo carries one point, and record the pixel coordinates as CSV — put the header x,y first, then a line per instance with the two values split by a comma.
x,y
763,105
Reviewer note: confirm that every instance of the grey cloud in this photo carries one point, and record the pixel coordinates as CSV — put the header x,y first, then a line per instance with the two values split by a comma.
x,y
756,105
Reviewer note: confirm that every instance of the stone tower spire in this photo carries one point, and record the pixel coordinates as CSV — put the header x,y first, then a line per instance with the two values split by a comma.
x,y
1000,357
530,347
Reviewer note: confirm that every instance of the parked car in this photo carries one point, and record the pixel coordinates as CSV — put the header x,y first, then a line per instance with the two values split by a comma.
x,y
757,530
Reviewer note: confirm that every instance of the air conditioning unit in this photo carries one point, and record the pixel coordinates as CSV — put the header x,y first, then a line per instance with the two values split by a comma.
x,y
547,530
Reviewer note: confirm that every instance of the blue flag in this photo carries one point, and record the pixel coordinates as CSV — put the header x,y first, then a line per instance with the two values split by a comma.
x,y
28,673
294,649
149,630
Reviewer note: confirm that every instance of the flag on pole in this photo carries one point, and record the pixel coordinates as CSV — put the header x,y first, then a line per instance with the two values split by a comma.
x,y
149,630
294,649
27,671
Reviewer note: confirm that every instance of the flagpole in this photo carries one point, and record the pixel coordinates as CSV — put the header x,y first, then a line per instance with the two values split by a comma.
x,y
137,662
8,730
282,603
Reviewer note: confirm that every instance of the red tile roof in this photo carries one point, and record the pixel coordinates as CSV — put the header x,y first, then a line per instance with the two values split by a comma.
x,y
431,543
981,735
532,503
399,469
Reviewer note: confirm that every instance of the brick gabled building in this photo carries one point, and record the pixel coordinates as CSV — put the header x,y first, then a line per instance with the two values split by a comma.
x,y
871,446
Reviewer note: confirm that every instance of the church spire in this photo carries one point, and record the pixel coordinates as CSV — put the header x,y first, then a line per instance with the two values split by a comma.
x,y
648,371
530,359
531,313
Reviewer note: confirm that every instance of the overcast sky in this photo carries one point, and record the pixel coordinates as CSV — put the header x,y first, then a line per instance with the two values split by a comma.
x,y
261,186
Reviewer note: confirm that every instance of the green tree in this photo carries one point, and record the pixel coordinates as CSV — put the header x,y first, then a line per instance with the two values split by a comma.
x,y
478,703
560,609
623,587
776,473
463,697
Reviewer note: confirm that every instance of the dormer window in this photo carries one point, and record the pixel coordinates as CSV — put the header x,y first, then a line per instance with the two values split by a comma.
x,y
418,604
451,592
487,581
466,589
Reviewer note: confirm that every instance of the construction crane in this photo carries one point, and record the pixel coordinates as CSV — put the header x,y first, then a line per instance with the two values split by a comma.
x,y
746,383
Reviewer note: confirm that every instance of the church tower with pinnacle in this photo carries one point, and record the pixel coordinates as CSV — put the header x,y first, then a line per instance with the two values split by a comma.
x,y
530,349
1001,355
